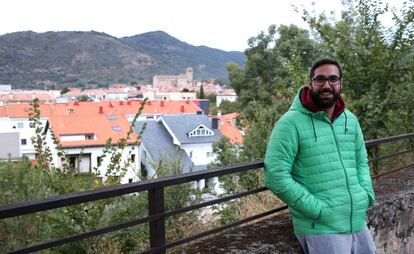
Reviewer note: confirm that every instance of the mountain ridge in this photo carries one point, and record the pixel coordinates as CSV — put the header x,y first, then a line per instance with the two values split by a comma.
x,y
77,58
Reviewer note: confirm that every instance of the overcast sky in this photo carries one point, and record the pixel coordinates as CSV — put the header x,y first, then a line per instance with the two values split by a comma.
x,y
222,24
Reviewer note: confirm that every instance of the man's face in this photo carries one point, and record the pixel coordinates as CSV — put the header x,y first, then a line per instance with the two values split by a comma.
x,y
325,95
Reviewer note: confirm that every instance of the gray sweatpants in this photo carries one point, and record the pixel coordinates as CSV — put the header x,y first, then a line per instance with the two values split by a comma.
x,y
360,242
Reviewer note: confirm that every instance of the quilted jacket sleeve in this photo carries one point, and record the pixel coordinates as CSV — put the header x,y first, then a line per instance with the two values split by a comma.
x,y
363,172
280,155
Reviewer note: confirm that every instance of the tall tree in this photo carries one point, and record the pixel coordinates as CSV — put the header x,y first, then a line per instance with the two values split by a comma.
x,y
378,64
201,94
275,66
378,61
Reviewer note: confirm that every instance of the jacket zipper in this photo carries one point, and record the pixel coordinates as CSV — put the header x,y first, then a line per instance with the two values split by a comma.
x,y
346,176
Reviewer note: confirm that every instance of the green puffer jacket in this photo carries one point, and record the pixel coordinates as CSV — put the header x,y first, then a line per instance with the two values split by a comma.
x,y
320,170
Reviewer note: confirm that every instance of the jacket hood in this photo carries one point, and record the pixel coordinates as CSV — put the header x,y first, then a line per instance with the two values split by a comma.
x,y
303,102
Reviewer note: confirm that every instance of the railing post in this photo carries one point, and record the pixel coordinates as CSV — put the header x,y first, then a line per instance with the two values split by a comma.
x,y
157,227
374,154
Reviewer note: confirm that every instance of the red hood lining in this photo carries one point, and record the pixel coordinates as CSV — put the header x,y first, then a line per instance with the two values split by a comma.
x,y
307,102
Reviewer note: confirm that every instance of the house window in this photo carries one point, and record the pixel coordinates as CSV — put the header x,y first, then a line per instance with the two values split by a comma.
x,y
99,160
89,136
191,154
23,141
20,125
144,154
80,163
112,117
116,128
130,180
144,172
201,131
133,157
72,162
209,154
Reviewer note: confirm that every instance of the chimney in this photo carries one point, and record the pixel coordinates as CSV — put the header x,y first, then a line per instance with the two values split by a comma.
x,y
187,102
128,102
162,103
214,123
110,105
121,103
76,103
182,109
100,109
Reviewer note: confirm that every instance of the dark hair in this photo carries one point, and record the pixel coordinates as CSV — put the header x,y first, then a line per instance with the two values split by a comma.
x,y
322,62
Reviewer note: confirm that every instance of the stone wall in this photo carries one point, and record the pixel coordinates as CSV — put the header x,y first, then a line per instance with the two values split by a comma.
x,y
392,223
391,219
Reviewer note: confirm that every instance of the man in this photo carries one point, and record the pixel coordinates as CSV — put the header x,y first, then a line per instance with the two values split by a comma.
x,y
316,162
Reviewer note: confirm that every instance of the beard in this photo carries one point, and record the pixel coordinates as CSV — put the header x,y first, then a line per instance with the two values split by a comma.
x,y
323,103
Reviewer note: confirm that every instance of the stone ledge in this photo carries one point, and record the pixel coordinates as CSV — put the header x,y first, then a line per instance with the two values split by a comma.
x,y
390,220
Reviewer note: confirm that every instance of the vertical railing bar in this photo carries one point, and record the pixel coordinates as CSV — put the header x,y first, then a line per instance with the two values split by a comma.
x,y
157,227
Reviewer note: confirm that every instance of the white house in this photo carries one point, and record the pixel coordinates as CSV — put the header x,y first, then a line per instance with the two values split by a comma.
x,y
83,139
226,95
14,118
9,145
155,94
185,138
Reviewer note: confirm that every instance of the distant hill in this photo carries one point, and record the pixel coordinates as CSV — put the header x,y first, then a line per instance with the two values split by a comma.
x,y
38,60
173,56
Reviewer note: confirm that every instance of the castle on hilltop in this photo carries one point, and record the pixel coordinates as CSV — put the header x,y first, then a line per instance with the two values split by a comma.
x,y
180,81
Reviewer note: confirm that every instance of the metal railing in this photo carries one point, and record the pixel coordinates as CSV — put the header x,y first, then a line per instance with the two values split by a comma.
x,y
157,213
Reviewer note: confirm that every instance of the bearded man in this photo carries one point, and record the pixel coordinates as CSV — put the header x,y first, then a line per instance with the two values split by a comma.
x,y
316,162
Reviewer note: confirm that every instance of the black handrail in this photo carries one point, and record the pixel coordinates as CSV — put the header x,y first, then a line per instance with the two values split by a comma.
x,y
118,190
373,142
139,221
157,214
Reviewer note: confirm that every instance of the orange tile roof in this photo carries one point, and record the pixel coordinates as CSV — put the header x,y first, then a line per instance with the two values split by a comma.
x,y
92,117
82,125
227,92
228,128
229,116
21,110
170,107
26,96
3,111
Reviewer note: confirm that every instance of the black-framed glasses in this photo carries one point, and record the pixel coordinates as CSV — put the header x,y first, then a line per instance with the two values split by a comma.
x,y
333,80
